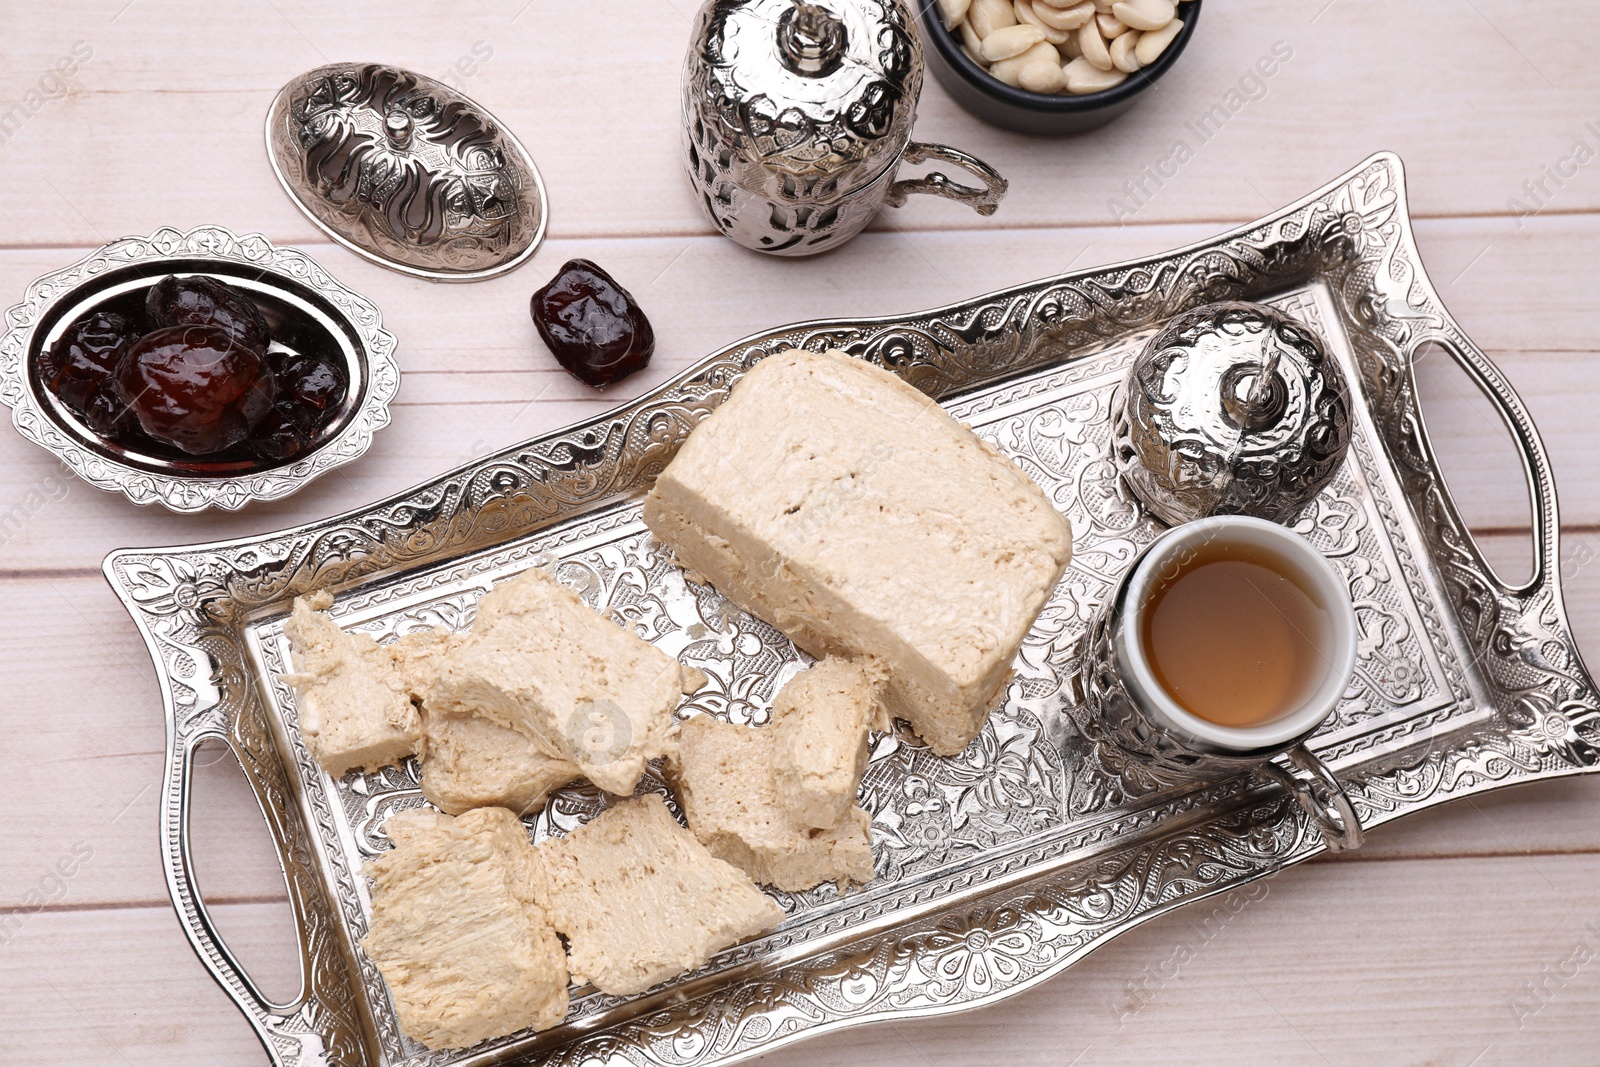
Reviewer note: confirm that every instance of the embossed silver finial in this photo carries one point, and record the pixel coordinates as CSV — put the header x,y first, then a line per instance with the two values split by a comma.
x,y
1232,409
398,126
1255,396
813,41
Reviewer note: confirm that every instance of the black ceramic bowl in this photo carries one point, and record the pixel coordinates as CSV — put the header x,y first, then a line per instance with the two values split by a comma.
x,y
993,101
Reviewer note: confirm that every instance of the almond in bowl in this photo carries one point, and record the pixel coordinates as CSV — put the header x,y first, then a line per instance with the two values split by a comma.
x,y
1053,66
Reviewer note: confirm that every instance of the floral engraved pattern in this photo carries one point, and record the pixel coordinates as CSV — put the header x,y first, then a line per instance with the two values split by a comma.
x,y
996,868
406,171
983,952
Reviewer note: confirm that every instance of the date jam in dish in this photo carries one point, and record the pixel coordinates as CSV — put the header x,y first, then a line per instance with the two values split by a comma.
x,y
592,325
310,390
200,376
201,301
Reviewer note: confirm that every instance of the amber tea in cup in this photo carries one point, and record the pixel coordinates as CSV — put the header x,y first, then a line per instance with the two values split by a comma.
x,y
1232,636
1229,642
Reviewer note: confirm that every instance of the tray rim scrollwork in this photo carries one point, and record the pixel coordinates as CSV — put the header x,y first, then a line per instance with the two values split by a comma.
x,y
1017,922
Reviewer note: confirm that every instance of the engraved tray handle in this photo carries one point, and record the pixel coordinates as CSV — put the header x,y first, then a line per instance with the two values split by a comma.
x,y
1510,701
273,1021
321,1026
1451,339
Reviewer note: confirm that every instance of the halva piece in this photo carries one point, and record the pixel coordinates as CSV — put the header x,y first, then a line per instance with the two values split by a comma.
x,y
584,689
467,761
417,656
821,723
457,931
724,779
849,510
354,709
470,762
639,900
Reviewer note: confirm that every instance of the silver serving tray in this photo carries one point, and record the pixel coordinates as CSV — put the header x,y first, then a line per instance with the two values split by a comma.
x,y
997,868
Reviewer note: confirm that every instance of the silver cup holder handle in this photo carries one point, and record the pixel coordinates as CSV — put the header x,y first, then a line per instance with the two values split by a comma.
x,y
984,201
1320,794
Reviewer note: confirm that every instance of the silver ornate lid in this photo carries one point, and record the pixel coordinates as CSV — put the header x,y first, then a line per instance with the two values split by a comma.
x,y
406,171
1232,409
817,96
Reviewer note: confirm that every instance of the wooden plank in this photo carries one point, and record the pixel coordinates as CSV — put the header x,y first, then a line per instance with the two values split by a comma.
x,y
121,987
1513,290
602,119
1434,961
477,379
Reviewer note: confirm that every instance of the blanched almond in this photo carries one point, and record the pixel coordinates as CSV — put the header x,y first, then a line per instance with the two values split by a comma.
x,y
1010,70
1011,41
1093,46
1123,52
972,42
1085,77
953,11
1046,77
986,16
1145,14
1029,13
1111,27
1153,42
1067,18
1070,50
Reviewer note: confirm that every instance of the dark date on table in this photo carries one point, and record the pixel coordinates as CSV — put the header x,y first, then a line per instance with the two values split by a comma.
x,y
200,376
592,325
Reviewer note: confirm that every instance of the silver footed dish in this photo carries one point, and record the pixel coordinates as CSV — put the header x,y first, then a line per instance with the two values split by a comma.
x,y
286,283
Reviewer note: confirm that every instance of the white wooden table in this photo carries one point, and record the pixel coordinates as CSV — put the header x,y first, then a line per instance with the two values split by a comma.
x,y
1466,936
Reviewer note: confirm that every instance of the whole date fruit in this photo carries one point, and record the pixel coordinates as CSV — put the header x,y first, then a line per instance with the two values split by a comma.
x,y
196,388
200,301
85,356
282,434
592,325
109,416
315,382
